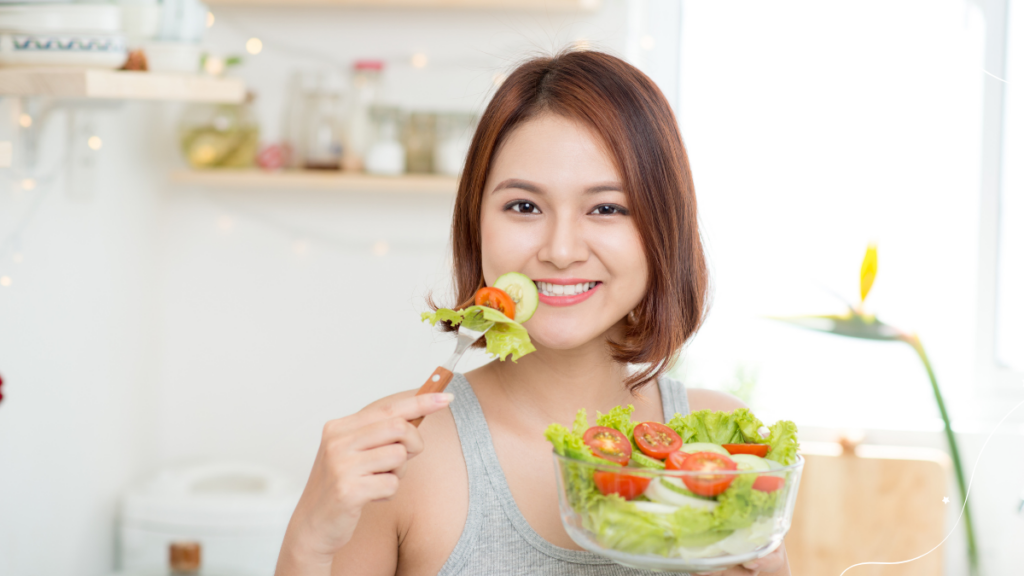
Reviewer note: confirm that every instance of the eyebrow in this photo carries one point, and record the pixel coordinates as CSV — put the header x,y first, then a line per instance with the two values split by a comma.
x,y
531,187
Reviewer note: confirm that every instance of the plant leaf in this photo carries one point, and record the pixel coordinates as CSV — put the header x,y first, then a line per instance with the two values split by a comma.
x,y
868,270
850,325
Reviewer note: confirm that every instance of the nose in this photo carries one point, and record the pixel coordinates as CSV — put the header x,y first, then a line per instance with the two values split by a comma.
x,y
565,244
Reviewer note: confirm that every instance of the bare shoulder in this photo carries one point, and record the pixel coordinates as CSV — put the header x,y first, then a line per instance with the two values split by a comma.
x,y
704,399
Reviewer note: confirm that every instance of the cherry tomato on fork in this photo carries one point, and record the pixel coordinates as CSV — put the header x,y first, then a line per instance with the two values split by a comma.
x,y
656,440
709,484
495,298
608,443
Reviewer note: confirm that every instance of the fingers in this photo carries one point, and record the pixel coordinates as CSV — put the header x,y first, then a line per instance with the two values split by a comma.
x,y
770,563
382,459
389,431
406,408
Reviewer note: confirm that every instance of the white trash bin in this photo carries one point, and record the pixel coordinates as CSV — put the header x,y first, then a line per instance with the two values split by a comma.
x,y
237,512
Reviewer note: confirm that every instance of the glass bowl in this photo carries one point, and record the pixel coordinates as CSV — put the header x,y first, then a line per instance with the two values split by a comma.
x,y
694,533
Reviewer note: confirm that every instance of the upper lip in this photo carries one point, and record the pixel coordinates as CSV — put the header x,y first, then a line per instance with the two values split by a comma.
x,y
564,281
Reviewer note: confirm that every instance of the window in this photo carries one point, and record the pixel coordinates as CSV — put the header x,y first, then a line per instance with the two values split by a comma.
x,y
814,128
1009,323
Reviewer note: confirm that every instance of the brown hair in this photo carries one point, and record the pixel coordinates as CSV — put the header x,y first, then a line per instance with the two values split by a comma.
x,y
628,111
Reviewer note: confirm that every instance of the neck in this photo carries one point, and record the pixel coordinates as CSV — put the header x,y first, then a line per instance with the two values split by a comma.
x,y
550,385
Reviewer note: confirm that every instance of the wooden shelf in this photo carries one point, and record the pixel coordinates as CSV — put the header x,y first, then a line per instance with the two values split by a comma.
x,y
526,5
117,84
317,180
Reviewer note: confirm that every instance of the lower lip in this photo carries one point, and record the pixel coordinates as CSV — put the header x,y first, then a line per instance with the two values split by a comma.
x,y
567,300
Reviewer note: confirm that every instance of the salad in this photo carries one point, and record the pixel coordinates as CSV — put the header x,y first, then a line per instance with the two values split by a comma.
x,y
615,478
510,302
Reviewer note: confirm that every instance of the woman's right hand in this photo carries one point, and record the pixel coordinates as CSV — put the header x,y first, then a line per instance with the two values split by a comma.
x,y
360,460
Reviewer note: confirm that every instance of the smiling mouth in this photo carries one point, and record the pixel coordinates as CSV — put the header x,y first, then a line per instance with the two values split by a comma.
x,y
549,289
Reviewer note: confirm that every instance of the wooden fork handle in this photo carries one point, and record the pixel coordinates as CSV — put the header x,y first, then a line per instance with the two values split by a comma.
x,y
437,382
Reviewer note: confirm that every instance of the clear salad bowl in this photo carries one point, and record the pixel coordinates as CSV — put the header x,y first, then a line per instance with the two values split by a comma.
x,y
666,526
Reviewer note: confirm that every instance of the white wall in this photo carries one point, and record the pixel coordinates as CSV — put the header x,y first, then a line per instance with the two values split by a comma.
x,y
76,351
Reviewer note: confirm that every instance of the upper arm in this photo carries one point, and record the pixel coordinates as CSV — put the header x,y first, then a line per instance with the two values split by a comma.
x,y
373,549
704,399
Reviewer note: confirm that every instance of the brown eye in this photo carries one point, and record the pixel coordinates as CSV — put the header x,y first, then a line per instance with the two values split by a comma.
x,y
523,207
609,210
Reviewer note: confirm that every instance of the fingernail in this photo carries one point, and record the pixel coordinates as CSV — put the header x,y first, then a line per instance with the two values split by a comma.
x,y
751,566
444,397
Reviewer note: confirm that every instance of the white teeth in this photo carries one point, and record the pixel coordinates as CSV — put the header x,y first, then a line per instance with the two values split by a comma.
x,y
548,289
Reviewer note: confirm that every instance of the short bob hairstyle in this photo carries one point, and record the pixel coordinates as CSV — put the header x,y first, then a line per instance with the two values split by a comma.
x,y
628,111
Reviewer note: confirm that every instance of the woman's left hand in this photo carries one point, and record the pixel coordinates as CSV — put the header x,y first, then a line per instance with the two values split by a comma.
x,y
774,563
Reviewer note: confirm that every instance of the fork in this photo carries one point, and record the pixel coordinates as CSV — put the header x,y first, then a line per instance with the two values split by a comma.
x,y
443,374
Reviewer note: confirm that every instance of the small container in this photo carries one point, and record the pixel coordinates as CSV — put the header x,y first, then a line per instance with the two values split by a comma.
x,y
386,155
420,135
219,135
366,92
454,135
322,125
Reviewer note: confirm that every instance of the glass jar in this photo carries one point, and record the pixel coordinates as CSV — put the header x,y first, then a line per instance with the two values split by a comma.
x,y
419,142
366,89
385,156
454,135
322,125
219,135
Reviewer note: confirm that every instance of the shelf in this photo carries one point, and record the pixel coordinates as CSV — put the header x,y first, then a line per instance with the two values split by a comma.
x,y
526,5
317,180
117,84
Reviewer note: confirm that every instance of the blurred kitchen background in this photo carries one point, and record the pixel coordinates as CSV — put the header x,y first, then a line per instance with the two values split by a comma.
x,y
202,262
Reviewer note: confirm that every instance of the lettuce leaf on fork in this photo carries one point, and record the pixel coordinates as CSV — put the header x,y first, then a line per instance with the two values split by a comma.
x,y
506,338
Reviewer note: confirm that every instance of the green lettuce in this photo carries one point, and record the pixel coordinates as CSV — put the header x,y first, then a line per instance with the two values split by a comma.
x,y
783,442
506,338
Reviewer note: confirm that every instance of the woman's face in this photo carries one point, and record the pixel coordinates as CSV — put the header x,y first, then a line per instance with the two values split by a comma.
x,y
554,209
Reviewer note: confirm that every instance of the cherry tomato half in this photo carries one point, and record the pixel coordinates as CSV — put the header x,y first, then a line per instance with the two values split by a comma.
x,y
768,483
608,443
703,484
624,485
495,298
755,449
656,440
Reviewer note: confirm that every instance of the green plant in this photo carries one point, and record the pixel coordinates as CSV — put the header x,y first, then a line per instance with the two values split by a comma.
x,y
856,323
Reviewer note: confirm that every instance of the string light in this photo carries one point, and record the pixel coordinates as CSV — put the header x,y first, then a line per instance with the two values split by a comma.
x,y
581,44
17,258
380,248
209,19
225,223
214,66
300,247
419,60
95,143
24,120
498,78
647,42
254,46
28,184
5,281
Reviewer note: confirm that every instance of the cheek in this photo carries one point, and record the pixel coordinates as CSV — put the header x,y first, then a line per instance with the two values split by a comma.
x,y
622,252
504,247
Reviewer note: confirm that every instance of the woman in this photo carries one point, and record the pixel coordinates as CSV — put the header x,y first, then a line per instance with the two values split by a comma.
x,y
577,175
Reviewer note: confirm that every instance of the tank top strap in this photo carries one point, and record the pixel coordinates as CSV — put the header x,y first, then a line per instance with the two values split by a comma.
x,y
673,397
472,429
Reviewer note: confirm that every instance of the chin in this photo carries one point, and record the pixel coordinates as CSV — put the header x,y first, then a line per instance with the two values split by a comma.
x,y
562,335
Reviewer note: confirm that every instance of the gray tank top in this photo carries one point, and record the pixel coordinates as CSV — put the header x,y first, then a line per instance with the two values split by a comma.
x,y
497,539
